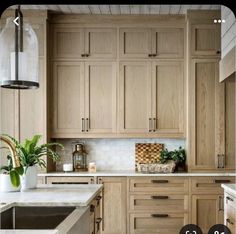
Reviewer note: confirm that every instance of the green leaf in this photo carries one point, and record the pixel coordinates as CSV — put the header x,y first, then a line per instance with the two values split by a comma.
x,y
20,170
15,178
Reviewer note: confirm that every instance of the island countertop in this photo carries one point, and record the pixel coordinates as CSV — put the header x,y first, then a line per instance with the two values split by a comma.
x,y
229,188
53,195
78,196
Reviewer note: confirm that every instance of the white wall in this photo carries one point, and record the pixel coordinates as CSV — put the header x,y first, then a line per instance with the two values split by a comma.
x,y
112,154
228,30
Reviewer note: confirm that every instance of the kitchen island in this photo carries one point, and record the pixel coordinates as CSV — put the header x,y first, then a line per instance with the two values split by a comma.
x,y
48,197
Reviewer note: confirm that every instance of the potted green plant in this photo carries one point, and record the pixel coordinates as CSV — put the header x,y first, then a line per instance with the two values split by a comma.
x,y
10,177
31,153
178,156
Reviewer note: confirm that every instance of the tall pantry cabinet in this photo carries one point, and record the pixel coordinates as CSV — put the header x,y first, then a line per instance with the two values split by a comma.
x,y
210,109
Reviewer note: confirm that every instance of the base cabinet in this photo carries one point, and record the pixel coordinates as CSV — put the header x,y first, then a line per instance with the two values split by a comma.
x,y
230,212
113,206
207,210
157,223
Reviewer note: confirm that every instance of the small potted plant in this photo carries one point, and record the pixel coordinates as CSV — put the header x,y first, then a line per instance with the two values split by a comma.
x,y
178,156
10,177
31,154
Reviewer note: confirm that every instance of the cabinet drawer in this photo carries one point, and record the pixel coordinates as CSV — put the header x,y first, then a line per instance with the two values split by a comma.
x,y
157,223
159,203
230,217
208,185
230,201
69,180
157,184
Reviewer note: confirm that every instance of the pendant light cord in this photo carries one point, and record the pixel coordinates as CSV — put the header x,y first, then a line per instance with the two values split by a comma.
x,y
18,46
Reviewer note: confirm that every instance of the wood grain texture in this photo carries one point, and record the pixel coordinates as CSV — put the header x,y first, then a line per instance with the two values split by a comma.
x,y
206,119
68,94
145,223
205,211
100,42
68,42
168,96
168,42
114,205
100,96
134,97
135,42
205,39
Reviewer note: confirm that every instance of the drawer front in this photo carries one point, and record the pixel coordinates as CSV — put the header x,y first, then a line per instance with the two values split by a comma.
x,y
230,217
230,201
159,203
157,223
69,180
157,184
208,185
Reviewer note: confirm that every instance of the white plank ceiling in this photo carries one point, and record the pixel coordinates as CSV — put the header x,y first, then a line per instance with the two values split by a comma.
x,y
120,9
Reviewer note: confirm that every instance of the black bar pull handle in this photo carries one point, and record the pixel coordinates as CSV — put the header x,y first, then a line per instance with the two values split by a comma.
x,y
159,215
160,197
160,181
222,181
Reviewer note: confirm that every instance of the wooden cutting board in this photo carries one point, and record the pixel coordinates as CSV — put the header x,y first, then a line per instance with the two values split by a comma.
x,y
147,153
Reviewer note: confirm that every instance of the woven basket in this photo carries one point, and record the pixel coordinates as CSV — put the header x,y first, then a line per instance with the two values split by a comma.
x,y
168,167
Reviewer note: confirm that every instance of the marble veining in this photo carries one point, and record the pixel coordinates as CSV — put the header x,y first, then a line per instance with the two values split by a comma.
x,y
230,188
111,154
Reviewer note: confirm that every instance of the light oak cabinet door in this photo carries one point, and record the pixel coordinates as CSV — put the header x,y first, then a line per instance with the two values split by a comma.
x,y
205,39
9,118
135,97
135,43
68,97
100,42
113,207
34,121
167,42
207,210
168,97
230,123
206,115
68,43
100,97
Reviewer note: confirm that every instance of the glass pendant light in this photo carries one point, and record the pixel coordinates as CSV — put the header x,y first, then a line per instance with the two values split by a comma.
x,y
18,54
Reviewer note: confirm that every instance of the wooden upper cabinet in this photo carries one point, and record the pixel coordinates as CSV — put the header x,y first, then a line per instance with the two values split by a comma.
x,y
68,43
205,40
68,97
151,43
84,43
207,210
134,97
168,43
100,42
100,97
168,97
206,116
135,42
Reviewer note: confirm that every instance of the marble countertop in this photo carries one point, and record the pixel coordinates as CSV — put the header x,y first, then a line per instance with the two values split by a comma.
x,y
133,173
230,188
52,195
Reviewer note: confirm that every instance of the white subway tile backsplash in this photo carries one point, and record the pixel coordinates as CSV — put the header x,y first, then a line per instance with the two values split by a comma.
x,y
111,154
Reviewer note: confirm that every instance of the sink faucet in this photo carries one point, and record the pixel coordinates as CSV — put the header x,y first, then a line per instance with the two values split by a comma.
x,y
12,148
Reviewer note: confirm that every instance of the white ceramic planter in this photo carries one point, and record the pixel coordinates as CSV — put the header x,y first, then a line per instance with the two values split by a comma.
x,y
6,185
29,178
